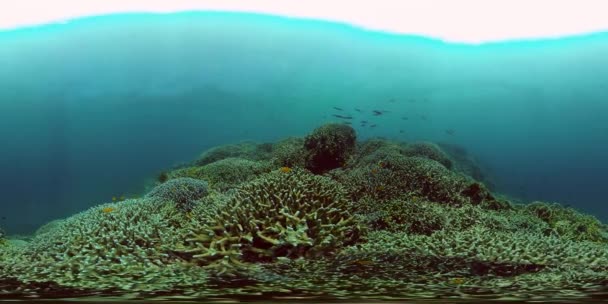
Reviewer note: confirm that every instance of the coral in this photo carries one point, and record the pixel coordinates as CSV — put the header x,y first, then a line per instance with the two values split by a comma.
x,y
162,177
370,181
466,164
482,244
282,214
225,174
50,226
406,215
372,151
374,145
289,152
396,175
183,191
127,249
414,215
568,223
329,146
2,237
428,150
247,150
384,217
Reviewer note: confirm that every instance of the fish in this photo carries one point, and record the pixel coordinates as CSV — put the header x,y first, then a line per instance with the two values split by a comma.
x,y
401,131
339,109
364,121
404,118
4,218
358,110
423,117
379,112
113,198
392,100
285,169
342,116
372,126
450,132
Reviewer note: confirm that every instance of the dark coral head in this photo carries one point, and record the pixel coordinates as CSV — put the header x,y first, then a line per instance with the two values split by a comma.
x,y
162,177
329,147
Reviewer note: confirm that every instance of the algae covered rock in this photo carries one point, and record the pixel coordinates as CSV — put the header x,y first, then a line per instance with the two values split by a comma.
x,y
329,147
282,214
183,191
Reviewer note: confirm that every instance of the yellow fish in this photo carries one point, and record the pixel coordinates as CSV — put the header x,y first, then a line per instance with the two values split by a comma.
x,y
113,198
107,209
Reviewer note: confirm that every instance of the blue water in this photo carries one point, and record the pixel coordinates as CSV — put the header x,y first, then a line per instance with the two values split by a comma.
x,y
97,107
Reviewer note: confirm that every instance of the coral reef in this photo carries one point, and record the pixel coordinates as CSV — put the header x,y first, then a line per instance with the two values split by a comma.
x,y
48,227
568,222
282,214
466,164
289,152
372,219
183,191
248,150
394,175
2,236
428,150
329,147
225,174
127,248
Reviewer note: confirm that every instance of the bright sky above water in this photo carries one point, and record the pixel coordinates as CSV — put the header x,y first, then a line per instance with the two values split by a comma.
x,y
472,21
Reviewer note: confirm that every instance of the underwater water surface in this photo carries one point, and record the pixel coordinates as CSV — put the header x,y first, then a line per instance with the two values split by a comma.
x,y
222,155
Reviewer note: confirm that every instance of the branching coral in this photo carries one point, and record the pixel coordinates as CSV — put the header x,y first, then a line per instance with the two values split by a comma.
x,y
569,223
127,248
282,214
414,215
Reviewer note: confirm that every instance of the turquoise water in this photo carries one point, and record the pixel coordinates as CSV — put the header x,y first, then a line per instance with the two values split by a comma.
x,y
97,108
